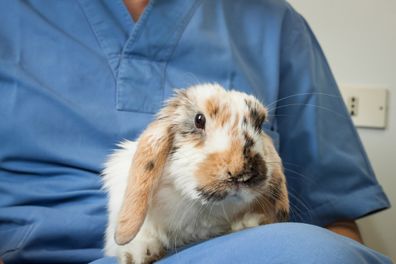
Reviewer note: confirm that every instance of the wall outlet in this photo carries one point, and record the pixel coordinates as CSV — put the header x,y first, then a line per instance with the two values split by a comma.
x,y
367,106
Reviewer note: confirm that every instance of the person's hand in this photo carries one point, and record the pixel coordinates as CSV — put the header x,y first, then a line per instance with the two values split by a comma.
x,y
346,228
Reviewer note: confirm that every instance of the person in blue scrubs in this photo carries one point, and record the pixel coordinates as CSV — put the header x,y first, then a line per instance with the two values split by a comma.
x,y
77,77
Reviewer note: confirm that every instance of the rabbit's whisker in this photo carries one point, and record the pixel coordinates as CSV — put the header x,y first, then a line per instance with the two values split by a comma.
x,y
302,94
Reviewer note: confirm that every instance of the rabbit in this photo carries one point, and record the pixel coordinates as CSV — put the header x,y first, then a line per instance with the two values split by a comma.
x,y
202,168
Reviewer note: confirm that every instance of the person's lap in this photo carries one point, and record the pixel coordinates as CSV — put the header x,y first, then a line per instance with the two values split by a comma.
x,y
275,243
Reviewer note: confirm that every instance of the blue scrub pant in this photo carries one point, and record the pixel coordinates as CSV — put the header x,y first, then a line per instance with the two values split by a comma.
x,y
292,243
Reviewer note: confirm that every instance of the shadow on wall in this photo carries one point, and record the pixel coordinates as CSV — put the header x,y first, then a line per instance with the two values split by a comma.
x,y
372,236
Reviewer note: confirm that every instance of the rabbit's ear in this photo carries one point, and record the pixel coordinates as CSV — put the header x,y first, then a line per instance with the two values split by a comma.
x,y
279,195
277,188
147,165
273,205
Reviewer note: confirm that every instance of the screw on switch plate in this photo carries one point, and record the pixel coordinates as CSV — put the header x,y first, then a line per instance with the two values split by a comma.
x,y
353,105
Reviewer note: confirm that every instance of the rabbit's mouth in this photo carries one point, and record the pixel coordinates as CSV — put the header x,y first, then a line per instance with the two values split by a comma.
x,y
246,180
232,187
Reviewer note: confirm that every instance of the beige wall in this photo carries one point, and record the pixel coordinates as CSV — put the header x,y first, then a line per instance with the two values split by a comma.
x,y
359,40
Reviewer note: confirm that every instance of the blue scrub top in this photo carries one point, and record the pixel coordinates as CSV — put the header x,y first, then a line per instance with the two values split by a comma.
x,y
76,77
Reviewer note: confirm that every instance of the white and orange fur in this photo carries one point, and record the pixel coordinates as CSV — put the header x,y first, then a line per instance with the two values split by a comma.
x,y
178,184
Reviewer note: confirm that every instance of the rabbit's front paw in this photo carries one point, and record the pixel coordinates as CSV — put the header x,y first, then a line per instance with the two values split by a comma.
x,y
140,251
248,220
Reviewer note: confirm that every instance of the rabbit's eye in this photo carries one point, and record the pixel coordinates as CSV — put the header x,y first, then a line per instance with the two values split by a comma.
x,y
200,121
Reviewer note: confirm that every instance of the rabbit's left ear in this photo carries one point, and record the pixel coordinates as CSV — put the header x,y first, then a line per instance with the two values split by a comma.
x,y
147,165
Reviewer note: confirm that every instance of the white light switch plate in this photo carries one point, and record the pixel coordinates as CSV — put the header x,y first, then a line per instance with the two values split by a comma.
x,y
367,106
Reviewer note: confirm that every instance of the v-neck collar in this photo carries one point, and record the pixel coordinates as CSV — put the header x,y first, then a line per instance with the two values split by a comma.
x,y
157,31
138,51
152,37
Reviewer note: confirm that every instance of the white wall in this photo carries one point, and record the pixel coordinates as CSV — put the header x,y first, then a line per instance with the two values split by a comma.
x,y
359,40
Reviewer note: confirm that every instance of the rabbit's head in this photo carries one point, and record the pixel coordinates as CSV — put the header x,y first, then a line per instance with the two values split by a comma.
x,y
209,142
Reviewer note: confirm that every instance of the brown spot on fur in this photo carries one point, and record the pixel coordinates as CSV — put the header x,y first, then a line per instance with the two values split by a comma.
x,y
249,143
150,165
257,114
148,253
257,118
212,107
129,258
220,113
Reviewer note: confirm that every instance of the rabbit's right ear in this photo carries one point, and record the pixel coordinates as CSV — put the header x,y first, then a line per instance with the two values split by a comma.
x,y
277,194
147,165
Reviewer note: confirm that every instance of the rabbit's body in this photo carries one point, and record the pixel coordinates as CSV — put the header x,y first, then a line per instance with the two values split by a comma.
x,y
176,221
201,181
